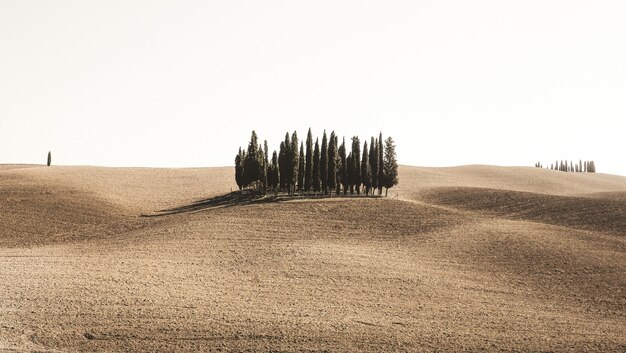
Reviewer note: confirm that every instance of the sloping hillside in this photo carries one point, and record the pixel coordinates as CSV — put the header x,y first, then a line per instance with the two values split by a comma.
x,y
602,213
467,258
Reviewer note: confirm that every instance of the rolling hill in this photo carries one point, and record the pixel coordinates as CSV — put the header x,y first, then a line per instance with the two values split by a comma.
x,y
456,259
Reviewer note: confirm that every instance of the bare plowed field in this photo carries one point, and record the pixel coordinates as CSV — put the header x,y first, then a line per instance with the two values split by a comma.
x,y
456,259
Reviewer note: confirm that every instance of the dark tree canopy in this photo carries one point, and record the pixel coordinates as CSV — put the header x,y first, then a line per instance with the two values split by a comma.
x,y
356,155
273,176
282,163
239,168
390,165
308,169
350,172
301,168
252,162
324,164
373,155
294,156
316,167
321,167
343,167
49,158
366,171
381,172
265,166
332,162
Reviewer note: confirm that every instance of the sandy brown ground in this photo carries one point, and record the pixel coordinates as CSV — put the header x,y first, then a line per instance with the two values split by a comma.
x,y
456,259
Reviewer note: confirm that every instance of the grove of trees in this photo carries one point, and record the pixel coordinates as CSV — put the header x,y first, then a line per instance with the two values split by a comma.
x,y
564,166
320,169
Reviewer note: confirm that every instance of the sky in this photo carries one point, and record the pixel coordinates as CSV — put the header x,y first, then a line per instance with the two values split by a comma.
x,y
182,83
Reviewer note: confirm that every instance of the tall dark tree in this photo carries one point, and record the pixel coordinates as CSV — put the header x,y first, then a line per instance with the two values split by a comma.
x,y
262,183
316,167
350,171
366,170
332,162
294,161
308,168
239,159
324,164
251,165
265,166
356,155
49,158
288,163
374,162
273,175
287,169
390,165
343,167
381,172
301,162
282,165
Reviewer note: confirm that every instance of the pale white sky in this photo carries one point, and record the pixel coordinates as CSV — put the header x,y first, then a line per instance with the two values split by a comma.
x,y
182,83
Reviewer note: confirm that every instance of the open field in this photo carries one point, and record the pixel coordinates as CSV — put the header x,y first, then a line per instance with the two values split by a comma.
x,y
456,259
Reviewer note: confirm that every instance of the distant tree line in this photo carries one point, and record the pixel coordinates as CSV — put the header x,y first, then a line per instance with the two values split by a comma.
x,y
320,169
564,166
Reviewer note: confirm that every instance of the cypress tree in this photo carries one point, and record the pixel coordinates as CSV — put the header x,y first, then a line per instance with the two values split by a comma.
x,y
294,161
266,165
381,172
332,162
239,169
366,171
350,172
270,177
275,175
316,167
262,171
356,154
301,169
374,163
390,165
288,163
580,165
251,166
343,167
324,164
49,158
571,166
282,174
308,168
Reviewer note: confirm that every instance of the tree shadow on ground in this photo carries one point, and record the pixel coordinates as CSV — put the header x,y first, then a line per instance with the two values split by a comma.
x,y
235,198
241,198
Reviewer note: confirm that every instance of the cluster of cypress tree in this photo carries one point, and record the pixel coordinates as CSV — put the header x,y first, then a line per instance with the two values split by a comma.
x,y
564,166
318,169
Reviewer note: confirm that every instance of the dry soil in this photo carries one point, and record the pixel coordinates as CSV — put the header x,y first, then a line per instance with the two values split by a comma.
x,y
473,258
